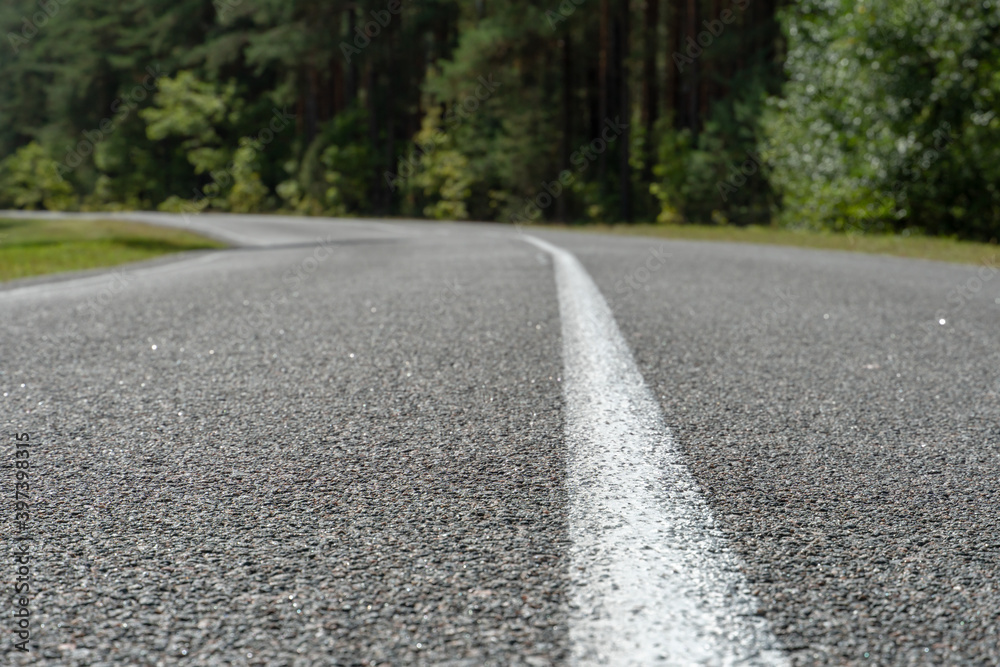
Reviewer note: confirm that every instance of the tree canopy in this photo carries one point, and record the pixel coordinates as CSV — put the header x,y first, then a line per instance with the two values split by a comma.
x,y
866,115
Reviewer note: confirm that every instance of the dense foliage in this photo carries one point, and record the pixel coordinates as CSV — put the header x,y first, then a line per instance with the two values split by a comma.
x,y
889,119
508,110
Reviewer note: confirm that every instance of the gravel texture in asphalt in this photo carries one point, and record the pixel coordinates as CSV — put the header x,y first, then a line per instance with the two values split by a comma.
x,y
848,441
295,457
344,444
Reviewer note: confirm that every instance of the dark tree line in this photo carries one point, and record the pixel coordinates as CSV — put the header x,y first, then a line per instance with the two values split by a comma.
x,y
390,115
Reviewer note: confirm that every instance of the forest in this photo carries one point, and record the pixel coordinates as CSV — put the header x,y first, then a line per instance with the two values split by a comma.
x,y
867,116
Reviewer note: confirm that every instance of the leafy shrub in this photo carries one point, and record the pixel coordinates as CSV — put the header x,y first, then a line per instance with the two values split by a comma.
x,y
30,179
888,120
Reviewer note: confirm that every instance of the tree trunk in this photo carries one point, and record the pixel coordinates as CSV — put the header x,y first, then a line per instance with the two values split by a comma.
x,y
312,88
693,79
567,133
377,191
713,66
624,108
651,93
352,70
603,76
675,28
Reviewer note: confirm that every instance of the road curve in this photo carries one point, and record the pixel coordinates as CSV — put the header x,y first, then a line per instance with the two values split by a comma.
x,y
349,442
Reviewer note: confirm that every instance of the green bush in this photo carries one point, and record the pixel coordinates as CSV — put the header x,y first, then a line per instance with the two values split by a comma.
x,y
335,173
30,179
888,120
247,193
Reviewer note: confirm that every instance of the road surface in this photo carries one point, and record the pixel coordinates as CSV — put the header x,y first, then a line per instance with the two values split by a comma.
x,y
373,442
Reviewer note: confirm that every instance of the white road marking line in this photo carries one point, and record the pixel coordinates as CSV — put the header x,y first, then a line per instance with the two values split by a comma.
x,y
653,581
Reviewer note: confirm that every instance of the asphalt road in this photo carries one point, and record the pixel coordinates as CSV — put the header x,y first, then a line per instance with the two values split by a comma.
x,y
349,443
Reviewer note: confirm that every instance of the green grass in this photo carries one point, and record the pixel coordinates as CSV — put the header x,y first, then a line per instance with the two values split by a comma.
x,y
38,247
918,247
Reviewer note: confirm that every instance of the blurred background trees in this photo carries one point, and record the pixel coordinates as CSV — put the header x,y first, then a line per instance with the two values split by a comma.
x,y
889,118
871,116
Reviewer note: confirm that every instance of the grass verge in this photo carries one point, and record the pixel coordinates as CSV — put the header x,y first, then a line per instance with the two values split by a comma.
x,y
917,247
38,247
